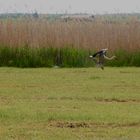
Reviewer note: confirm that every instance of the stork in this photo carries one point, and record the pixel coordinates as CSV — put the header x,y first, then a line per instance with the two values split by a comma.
x,y
101,58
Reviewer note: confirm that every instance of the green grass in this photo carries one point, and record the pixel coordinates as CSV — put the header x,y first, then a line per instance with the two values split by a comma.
x,y
44,57
70,104
67,56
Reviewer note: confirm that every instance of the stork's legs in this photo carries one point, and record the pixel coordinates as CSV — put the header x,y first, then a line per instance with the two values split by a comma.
x,y
100,65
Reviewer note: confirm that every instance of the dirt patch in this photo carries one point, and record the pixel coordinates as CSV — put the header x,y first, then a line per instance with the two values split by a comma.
x,y
117,100
5,100
72,124
128,72
98,99
62,124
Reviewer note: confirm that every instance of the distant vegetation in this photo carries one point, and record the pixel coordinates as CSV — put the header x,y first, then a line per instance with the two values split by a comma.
x,y
34,40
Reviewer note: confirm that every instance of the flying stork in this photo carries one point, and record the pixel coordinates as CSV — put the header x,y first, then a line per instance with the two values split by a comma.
x,y
101,58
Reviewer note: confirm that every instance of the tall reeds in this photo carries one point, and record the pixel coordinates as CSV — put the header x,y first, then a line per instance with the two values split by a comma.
x,y
38,43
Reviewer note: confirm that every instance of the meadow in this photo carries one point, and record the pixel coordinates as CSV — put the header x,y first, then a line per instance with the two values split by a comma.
x,y
56,93
70,103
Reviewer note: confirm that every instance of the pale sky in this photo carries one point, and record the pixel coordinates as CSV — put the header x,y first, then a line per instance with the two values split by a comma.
x,y
70,6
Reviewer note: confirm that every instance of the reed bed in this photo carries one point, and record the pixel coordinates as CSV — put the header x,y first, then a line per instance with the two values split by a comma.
x,y
40,43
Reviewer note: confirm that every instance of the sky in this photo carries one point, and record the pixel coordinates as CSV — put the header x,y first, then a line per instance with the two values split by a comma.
x,y
70,6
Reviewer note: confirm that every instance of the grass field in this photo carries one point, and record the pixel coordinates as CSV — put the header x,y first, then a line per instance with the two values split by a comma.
x,y
70,104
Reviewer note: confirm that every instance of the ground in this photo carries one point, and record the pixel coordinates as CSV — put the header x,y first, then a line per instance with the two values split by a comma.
x,y
70,104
